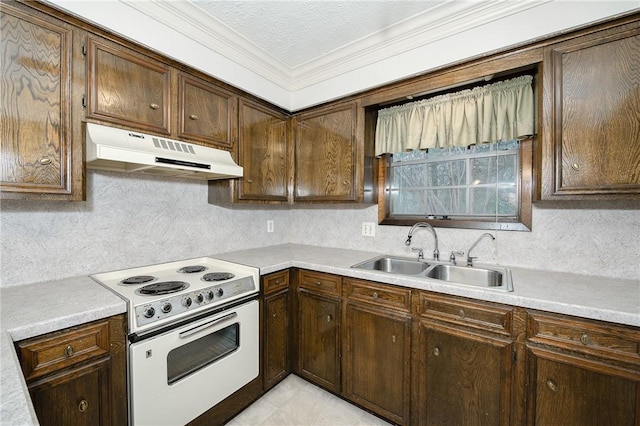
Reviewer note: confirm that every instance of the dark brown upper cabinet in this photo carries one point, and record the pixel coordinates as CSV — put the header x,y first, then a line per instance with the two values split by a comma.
x,y
263,152
42,152
127,88
206,113
329,159
591,116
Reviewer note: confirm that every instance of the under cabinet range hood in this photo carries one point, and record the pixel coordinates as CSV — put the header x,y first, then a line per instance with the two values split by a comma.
x,y
109,148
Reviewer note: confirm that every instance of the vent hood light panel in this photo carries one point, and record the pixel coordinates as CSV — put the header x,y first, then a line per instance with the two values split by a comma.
x,y
120,150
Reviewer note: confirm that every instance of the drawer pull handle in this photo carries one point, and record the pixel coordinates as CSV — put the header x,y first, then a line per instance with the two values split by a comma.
x,y
68,351
249,180
83,406
462,313
575,166
344,182
44,161
436,351
318,283
375,296
584,339
552,385
193,117
329,318
154,106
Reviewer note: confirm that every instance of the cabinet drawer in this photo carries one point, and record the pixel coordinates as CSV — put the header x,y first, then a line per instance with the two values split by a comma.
x,y
584,336
52,352
319,282
276,281
382,295
484,316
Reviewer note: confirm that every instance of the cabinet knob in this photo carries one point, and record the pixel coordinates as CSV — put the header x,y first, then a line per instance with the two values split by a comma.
x,y
462,313
552,385
329,318
274,315
154,106
318,283
83,405
68,351
575,166
344,182
44,161
249,180
193,117
436,351
584,339
393,338
375,295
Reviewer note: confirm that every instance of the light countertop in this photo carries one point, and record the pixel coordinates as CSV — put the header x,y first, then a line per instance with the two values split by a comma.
x,y
55,305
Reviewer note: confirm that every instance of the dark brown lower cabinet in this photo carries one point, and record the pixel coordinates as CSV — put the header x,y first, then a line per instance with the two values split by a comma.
x,y
565,390
319,339
276,342
77,376
76,397
465,379
377,360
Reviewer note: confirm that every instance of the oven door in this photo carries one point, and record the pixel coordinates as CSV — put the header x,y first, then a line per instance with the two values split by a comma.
x,y
178,375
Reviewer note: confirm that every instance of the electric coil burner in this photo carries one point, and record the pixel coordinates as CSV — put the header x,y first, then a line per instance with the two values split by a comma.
x,y
160,294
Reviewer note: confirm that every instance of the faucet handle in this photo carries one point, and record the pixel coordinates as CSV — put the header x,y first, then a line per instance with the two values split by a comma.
x,y
470,260
452,258
420,252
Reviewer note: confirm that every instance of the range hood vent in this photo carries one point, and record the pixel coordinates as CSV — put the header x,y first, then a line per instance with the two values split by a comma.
x,y
109,148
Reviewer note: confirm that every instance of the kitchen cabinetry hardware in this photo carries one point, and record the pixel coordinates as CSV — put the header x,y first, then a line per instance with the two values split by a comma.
x,y
154,106
83,405
462,313
68,351
436,351
552,385
193,117
45,161
575,166
584,339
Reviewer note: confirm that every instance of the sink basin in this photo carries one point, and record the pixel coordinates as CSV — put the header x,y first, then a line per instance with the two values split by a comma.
x,y
394,265
493,277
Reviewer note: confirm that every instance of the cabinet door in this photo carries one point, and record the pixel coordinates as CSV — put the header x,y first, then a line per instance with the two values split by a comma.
x,y
263,153
464,378
567,390
591,116
276,338
127,88
377,360
319,339
327,153
206,113
75,397
41,154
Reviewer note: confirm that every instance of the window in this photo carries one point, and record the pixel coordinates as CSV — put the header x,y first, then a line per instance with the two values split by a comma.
x,y
485,186
476,181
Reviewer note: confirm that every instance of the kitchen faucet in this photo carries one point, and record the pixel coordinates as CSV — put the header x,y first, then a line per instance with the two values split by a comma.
x,y
469,258
436,252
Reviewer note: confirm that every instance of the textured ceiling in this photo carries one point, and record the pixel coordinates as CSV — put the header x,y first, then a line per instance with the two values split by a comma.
x,y
296,32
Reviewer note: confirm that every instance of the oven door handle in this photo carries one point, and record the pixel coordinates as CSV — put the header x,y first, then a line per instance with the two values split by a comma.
x,y
206,325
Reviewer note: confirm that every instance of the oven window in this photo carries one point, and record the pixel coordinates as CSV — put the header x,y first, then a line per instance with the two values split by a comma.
x,y
198,354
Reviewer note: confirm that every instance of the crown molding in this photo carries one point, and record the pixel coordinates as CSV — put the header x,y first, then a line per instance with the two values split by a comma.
x,y
436,23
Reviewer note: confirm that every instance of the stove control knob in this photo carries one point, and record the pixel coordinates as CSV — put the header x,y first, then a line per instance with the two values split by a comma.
x,y
209,295
200,298
186,302
219,292
149,312
166,308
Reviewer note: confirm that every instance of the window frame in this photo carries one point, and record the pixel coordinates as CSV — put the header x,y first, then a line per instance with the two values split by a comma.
x,y
521,223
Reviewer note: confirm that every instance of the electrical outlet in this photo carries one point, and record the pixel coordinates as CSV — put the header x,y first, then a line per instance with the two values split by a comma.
x,y
369,229
269,226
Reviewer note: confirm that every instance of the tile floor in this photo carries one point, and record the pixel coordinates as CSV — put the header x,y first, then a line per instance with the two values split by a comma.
x,y
295,401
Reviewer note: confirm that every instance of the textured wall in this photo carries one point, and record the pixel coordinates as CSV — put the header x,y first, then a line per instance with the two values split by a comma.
x,y
593,241
126,221
135,220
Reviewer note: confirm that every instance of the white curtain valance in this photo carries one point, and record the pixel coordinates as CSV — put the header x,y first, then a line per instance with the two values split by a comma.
x,y
499,111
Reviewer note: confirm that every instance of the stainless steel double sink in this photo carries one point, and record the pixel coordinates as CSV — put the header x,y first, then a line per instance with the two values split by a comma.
x,y
490,277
